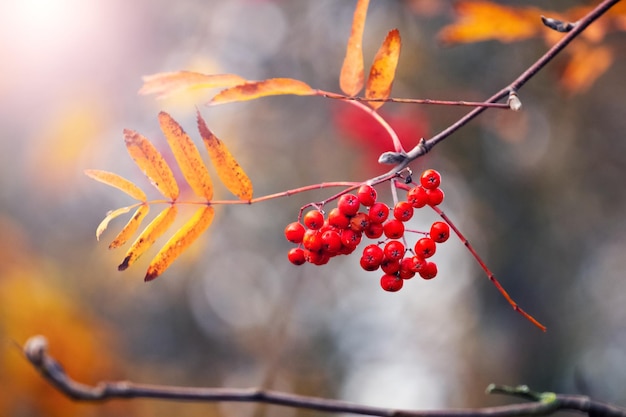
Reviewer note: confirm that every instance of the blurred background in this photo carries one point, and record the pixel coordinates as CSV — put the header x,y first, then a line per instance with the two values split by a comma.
x,y
539,193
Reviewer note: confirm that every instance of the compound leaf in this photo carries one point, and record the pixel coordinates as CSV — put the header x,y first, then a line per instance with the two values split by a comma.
x,y
181,240
352,74
166,83
256,89
187,156
131,227
151,162
150,234
118,182
228,170
383,69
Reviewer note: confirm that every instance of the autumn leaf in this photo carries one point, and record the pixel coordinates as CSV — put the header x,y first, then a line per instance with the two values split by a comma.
x,y
131,227
187,156
150,234
383,69
229,171
110,216
151,163
181,240
166,83
586,64
352,74
118,182
256,89
484,20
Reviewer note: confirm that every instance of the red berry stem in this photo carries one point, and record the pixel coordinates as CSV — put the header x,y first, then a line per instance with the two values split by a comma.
x,y
488,272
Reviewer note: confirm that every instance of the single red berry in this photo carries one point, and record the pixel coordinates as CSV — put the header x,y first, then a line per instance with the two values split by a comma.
x,y
366,195
391,283
390,266
379,212
393,229
417,263
368,264
394,250
350,238
316,257
430,179
439,232
296,256
348,204
331,241
417,197
425,247
294,232
312,240
359,222
429,271
314,219
435,196
406,269
403,211
374,252
374,230
337,219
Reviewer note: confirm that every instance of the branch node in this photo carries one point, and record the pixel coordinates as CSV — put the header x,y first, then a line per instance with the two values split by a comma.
x,y
514,102
392,158
35,349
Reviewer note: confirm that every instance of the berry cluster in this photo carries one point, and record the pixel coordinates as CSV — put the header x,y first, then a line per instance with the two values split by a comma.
x,y
320,238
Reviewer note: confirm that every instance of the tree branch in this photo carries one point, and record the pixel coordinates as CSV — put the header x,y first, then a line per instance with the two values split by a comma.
x,y
36,351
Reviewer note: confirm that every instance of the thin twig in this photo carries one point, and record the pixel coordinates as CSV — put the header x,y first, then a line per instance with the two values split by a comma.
x,y
36,351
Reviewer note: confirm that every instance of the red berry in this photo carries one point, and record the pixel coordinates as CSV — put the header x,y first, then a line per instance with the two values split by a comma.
x,y
403,211
312,240
368,264
316,257
379,212
337,219
366,195
348,204
331,241
374,252
434,196
394,250
294,232
314,219
390,266
425,247
296,256
430,179
406,269
374,230
417,197
417,263
393,229
350,238
439,232
359,222
391,283
429,271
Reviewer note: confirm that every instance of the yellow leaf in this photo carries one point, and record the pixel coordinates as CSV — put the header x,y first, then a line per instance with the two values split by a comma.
x,y
118,182
586,64
483,20
151,163
151,233
110,216
131,227
256,89
229,171
187,156
181,240
383,69
352,73
166,83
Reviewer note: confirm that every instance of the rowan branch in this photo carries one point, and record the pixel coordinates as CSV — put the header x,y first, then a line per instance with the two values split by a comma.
x,y
36,352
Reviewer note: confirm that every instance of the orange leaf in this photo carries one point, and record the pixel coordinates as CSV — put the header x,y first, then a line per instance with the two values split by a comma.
x,y
585,66
383,69
151,233
352,72
181,240
110,216
151,163
166,83
131,227
118,182
256,89
483,20
187,156
229,171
